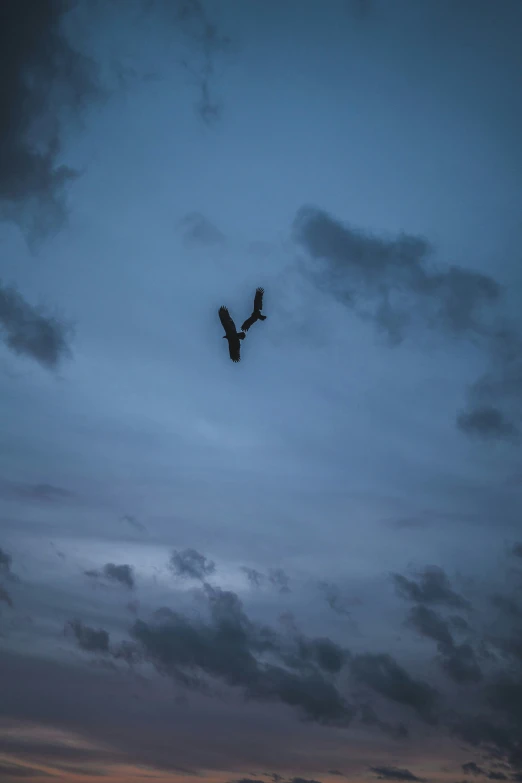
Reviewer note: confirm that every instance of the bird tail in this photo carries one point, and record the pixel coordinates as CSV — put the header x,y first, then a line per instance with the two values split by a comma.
x,y
262,317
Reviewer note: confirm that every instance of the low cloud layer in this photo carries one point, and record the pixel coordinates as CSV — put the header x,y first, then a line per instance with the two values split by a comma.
x,y
191,564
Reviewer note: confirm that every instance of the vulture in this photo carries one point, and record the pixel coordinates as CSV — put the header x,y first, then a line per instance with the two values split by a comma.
x,y
256,314
231,334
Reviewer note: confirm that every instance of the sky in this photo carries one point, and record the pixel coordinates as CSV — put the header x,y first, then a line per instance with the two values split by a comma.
x,y
306,566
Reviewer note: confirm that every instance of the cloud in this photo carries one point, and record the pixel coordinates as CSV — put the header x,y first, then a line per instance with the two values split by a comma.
x,y
231,648
21,771
191,564
334,599
5,561
280,580
5,597
38,493
256,578
517,550
209,44
486,421
120,573
198,230
433,587
395,284
30,331
394,773
89,639
370,718
276,577
385,676
359,264
133,522
42,77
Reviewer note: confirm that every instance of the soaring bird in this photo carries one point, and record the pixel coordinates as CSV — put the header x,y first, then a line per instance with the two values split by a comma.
x,y
231,334
256,314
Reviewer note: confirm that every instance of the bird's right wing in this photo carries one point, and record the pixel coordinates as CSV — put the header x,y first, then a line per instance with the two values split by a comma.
x,y
258,299
248,323
227,322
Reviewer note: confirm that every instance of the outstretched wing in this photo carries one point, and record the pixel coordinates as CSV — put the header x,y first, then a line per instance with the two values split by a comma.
x,y
258,299
227,322
234,348
248,323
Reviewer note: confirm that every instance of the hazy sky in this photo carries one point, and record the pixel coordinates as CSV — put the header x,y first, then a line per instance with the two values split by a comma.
x,y
307,565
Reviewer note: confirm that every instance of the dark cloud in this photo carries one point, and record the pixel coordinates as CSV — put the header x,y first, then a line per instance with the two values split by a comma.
x,y
38,493
5,561
517,550
89,639
133,522
369,717
334,599
120,573
276,577
30,331
395,284
335,772
124,574
394,773
304,780
383,674
280,580
470,768
228,648
433,587
486,421
5,597
256,578
191,564
198,230
43,78
457,660
209,44
359,264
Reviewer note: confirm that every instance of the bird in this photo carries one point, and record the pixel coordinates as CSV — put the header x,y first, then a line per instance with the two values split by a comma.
x,y
231,334
256,314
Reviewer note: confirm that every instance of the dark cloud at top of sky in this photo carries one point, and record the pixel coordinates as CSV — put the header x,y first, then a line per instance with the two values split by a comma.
x,y
30,331
89,639
41,75
433,587
191,564
517,549
210,43
198,230
394,773
395,279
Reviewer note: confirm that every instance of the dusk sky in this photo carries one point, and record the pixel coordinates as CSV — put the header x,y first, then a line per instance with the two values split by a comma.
x,y
305,567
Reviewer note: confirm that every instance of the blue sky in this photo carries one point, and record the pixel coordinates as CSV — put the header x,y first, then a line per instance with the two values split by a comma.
x,y
308,563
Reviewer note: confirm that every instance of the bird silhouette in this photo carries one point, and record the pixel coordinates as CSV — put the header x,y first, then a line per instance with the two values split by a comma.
x,y
256,314
231,334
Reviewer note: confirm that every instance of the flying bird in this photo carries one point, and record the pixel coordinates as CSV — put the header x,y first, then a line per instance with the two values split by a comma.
x,y
231,334
256,314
